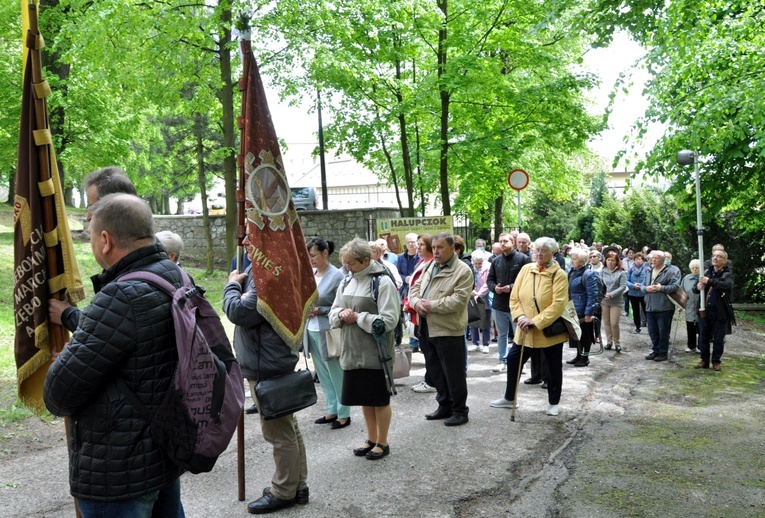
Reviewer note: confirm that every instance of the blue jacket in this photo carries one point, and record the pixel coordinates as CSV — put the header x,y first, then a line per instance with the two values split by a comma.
x,y
583,293
636,275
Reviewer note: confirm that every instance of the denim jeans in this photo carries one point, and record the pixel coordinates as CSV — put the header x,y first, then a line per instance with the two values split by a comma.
x,y
165,502
503,321
712,330
659,327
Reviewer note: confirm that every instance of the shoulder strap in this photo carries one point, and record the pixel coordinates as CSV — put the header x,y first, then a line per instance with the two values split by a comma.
x,y
153,278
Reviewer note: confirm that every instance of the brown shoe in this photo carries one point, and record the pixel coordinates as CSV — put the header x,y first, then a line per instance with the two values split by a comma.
x,y
717,367
702,365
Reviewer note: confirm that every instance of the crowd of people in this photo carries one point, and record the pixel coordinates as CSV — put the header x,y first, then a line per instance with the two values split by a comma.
x,y
521,288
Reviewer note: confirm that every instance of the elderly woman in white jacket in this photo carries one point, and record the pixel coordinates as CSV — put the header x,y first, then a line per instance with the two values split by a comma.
x,y
355,311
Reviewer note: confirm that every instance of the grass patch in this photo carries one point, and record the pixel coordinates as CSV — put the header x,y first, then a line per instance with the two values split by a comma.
x,y
739,377
752,320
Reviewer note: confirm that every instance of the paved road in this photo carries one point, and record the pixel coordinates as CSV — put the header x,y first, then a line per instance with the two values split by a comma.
x,y
489,467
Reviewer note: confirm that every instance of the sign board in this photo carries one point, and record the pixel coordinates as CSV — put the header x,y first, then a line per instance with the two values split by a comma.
x,y
518,179
394,230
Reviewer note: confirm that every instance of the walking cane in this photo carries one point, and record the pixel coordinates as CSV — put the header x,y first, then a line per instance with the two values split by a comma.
x,y
518,378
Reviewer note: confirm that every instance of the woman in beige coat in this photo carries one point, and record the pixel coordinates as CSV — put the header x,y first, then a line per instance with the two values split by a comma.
x,y
539,297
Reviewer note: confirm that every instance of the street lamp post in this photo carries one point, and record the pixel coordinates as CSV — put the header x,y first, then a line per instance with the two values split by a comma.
x,y
687,157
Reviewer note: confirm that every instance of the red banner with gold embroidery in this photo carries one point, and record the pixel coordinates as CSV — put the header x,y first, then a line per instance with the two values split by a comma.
x,y
281,267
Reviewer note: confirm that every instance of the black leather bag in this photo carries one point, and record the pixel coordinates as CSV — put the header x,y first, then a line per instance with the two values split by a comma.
x,y
285,395
474,311
558,327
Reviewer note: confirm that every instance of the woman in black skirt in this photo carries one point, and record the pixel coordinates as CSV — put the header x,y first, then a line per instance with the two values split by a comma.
x,y
355,310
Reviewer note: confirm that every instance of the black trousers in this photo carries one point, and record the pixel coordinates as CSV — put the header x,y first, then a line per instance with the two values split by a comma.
x,y
539,370
445,358
554,357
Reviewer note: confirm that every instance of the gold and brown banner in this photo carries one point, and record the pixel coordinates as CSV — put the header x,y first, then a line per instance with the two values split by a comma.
x,y
44,264
281,268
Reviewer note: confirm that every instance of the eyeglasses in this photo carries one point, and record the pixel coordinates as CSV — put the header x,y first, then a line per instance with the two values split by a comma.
x,y
718,256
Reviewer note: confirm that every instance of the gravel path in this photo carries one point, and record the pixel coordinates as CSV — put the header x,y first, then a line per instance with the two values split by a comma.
x,y
634,438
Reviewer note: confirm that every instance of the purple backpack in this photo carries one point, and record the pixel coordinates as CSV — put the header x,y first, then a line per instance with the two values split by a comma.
x,y
199,413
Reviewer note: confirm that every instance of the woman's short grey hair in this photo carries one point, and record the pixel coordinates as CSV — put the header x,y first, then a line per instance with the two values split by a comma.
x,y
478,256
579,253
375,247
547,243
171,242
356,248
694,262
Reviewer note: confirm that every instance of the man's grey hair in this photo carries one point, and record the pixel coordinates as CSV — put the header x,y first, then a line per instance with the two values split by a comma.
x,y
171,242
126,217
446,236
547,243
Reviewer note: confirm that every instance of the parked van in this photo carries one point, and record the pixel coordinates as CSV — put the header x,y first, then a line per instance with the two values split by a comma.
x,y
304,198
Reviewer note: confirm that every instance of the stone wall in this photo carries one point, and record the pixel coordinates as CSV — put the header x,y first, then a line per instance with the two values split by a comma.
x,y
339,226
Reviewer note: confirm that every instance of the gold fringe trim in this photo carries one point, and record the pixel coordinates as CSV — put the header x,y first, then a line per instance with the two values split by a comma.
x,y
293,341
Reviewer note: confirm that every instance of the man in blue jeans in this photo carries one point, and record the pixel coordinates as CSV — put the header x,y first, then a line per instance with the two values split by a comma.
x,y
661,280
504,269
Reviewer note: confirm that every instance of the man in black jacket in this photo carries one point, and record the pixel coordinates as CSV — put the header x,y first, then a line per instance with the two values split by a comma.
x,y
718,283
262,354
126,333
504,269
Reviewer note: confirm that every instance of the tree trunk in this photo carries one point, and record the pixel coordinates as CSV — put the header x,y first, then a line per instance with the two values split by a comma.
x,y
445,98
203,192
229,136
498,203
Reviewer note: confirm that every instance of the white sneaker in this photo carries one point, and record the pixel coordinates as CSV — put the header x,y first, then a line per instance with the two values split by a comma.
x,y
501,403
484,349
423,388
472,348
501,367
689,350
552,410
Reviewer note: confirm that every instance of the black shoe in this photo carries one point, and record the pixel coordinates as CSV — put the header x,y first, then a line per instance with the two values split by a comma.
x,y
301,497
660,358
456,420
416,350
608,347
618,348
337,424
372,455
532,381
251,410
584,362
323,420
440,413
544,384
651,356
268,504
574,360
360,452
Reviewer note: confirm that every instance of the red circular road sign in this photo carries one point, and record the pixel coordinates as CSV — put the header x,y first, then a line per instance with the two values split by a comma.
x,y
518,179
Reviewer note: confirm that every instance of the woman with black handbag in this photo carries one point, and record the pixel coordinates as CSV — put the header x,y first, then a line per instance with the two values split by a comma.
x,y
538,300
355,310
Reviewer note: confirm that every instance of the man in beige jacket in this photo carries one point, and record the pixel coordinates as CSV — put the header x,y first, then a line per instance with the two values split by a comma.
x,y
440,297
